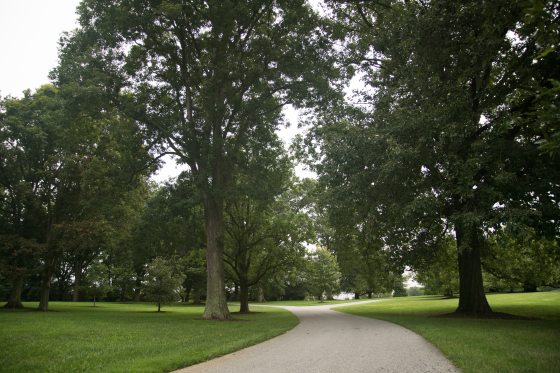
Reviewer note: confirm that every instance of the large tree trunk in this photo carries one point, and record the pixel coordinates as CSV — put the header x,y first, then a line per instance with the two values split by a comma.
x,y
216,303
15,294
243,297
472,300
356,295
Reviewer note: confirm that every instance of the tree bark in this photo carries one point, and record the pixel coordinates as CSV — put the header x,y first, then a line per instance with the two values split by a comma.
x,y
216,303
243,297
356,295
370,294
14,301
472,300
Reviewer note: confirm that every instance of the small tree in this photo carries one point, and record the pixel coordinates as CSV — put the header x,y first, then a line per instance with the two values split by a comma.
x,y
98,281
323,274
162,281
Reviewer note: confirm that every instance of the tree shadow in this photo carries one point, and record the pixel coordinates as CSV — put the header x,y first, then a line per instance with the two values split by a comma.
x,y
486,316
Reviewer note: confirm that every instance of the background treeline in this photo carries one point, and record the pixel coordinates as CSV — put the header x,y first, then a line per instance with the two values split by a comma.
x,y
82,221
445,162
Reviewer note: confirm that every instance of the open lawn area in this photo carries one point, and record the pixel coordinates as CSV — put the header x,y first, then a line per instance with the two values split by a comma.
x,y
482,345
113,337
305,303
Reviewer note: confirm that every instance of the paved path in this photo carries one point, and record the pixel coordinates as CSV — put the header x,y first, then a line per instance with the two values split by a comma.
x,y
327,341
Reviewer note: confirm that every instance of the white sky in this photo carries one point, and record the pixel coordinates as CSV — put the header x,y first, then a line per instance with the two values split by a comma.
x,y
29,34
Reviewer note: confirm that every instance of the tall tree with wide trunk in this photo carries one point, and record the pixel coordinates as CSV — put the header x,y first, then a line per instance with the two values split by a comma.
x,y
450,140
202,78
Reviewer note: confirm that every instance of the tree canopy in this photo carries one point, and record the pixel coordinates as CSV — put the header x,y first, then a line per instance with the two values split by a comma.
x,y
443,162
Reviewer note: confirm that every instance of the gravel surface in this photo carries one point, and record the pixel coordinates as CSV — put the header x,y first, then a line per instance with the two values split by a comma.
x,y
327,341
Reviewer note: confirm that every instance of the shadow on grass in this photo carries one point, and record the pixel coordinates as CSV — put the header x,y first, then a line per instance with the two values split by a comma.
x,y
247,313
24,309
487,316
216,320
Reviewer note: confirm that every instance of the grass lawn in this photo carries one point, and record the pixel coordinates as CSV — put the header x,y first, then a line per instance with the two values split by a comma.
x,y
305,303
477,345
113,337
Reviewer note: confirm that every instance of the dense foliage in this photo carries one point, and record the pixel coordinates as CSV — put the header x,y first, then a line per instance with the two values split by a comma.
x,y
444,162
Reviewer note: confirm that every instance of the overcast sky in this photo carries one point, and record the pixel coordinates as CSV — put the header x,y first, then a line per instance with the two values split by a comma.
x,y
29,34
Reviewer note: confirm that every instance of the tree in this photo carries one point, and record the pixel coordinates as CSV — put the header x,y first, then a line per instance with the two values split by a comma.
x,y
449,145
521,258
439,272
263,230
261,240
97,280
323,276
18,257
162,281
194,285
82,242
171,224
355,235
203,79
66,172
34,185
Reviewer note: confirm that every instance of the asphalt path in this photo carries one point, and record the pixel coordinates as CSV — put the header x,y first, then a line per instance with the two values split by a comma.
x,y
328,341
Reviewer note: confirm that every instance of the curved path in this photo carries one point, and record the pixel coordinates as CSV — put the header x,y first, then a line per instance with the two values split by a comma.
x,y
328,341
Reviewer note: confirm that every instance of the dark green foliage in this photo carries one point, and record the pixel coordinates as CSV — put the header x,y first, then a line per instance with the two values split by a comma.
x,y
204,81
439,273
322,274
163,281
521,259
68,182
452,141
171,225
265,227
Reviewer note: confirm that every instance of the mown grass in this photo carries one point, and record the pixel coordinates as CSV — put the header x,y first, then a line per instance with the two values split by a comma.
x,y
482,345
306,303
112,337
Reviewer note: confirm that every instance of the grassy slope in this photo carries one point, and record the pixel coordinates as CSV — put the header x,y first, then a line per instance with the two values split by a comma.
x,y
126,337
476,345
